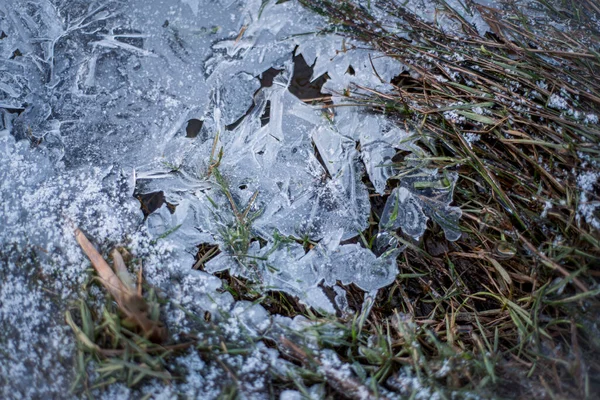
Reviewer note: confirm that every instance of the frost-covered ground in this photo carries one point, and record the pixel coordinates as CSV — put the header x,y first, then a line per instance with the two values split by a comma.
x,y
95,99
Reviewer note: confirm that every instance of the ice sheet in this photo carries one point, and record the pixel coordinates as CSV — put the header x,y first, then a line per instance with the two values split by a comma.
x,y
94,100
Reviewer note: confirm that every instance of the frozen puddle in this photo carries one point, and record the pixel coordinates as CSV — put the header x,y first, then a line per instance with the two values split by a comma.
x,y
100,100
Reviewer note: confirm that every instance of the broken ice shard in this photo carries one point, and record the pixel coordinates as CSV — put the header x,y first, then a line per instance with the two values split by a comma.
x,y
421,195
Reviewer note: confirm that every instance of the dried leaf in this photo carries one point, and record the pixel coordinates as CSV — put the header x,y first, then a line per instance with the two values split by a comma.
x,y
121,270
130,303
111,282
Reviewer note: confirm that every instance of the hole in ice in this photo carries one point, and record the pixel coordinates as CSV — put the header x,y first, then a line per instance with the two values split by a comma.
x,y
243,187
206,252
3,35
301,85
266,115
150,202
15,54
193,128
261,242
330,293
237,123
493,36
354,296
281,303
350,70
17,111
266,78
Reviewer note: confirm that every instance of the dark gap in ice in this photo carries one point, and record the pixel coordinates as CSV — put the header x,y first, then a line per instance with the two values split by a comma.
x,y
266,115
15,54
151,202
307,245
350,70
243,187
3,35
237,286
320,159
301,85
193,128
493,36
226,279
206,252
266,78
400,156
354,295
269,343
331,294
353,240
237,123
17,111
261,242
281,303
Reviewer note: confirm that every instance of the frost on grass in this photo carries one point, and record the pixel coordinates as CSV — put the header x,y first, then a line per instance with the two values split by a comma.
x,y
589,207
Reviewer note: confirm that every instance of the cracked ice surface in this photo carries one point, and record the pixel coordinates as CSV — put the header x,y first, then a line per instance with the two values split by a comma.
x,y
94,98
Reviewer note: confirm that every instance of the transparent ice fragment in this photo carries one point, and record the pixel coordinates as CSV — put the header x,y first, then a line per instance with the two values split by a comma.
x,y
296,195
370,68
435,191
286,267
379,141
403,210
341,300
429,10
421,195
253,316
355,264
236,96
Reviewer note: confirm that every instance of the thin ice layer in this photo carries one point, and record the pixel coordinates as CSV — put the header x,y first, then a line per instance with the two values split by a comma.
x,y
303,273
95,98
299,176
421,195
92,91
